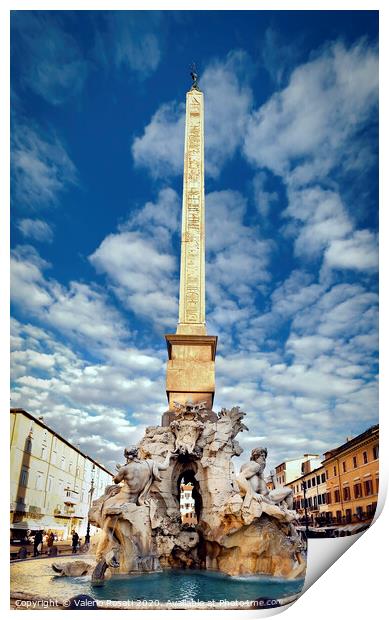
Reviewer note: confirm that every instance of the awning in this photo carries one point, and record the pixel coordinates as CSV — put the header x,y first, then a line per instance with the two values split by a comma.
x,y
354,528
37,524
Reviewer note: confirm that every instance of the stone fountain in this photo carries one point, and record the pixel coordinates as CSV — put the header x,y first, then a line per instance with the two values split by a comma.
x,y
242,527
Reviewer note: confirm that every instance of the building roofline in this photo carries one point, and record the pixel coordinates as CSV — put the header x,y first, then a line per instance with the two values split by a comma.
x,y
299,458
305,475
349,444
44,425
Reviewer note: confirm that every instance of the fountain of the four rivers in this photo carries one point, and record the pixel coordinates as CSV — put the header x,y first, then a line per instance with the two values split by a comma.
x,y
243,528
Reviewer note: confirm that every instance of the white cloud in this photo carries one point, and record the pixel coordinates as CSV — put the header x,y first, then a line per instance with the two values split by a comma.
x,y
41,168
161,147
36,229
228,101
304,127
359,252
237,254
80,311
139,261
263,198
28,287
308,348
322,217
90,404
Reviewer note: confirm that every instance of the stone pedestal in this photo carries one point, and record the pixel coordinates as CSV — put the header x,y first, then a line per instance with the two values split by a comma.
x,y
190,373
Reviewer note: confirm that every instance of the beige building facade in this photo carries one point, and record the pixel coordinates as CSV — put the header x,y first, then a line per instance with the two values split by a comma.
x,y
315,494
52,481
293,468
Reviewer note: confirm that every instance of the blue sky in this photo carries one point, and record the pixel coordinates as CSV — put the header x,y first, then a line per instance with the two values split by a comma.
x,y
291,128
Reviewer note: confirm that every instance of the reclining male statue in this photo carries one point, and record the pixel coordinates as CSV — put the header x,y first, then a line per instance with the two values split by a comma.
x,y
252,482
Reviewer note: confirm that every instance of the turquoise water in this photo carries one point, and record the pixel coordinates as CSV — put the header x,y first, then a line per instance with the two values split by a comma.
x,y
36,577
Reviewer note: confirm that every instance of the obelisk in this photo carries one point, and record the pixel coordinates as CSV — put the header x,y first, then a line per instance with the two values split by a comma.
x,y
190,372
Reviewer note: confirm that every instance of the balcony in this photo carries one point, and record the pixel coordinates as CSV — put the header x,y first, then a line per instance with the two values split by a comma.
x,y
71,497
64,511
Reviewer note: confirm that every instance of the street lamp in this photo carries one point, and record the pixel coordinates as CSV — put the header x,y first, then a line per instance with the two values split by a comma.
x,y
92,488
304,487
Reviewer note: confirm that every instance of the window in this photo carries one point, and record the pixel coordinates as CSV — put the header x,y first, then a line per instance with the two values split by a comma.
x,y
44,453
338,516
319,499
344,466
324,497
317,479
365,457
368,487
346,494
50,484
337,496
77,471
309,484
62,462
355,462
348,515
375,452
24,476
70,467
357,490
313,482
39,481
334,471
53,457
328,498
323,477
326,474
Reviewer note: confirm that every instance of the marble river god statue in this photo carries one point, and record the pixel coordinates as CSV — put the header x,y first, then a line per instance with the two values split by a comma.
x,y
242,526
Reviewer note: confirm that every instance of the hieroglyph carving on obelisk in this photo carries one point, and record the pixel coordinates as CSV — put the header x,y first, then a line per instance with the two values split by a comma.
x,y
192,277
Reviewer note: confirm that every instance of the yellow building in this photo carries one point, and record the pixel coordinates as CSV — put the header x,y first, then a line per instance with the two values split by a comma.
x,y
52,481
352,472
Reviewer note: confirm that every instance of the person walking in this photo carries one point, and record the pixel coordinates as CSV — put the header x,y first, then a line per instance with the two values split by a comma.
x,y
38,540
50,540
75,540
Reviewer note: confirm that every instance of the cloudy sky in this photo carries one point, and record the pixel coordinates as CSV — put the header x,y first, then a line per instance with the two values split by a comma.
x,y
291,216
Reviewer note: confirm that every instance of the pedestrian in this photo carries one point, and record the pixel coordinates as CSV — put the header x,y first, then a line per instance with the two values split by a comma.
x,y
50,540
75,540
38,539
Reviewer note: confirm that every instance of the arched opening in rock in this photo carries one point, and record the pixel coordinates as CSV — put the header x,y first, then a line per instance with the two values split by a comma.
x,y
185,470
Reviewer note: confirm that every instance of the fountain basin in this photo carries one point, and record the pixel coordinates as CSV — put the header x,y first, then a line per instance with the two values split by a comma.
x,y
169,588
